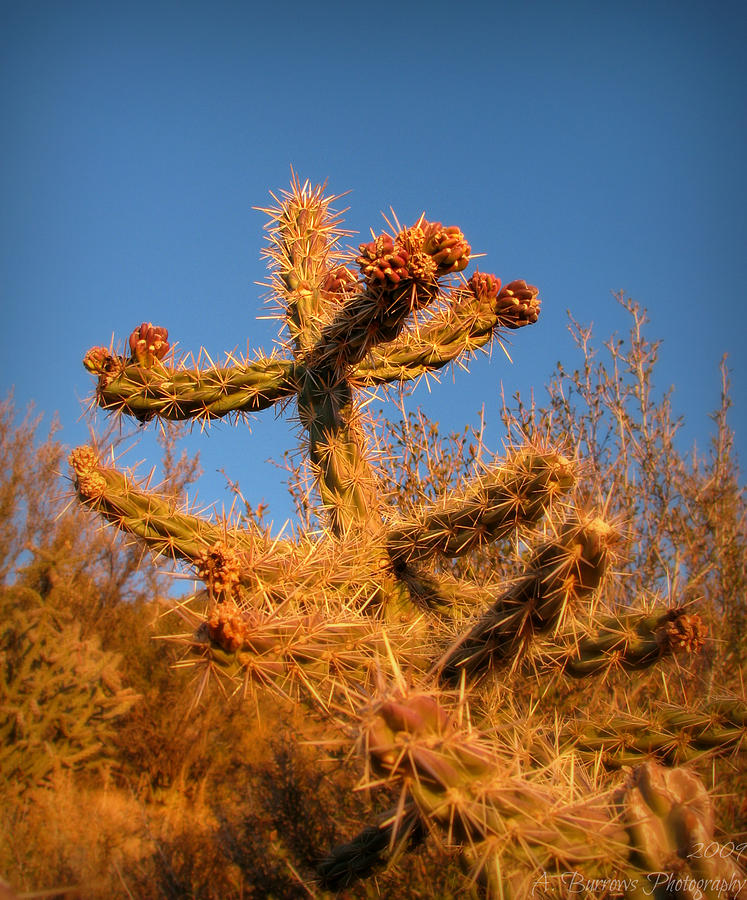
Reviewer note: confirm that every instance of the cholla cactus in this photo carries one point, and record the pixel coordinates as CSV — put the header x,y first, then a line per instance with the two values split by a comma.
x,y
322,616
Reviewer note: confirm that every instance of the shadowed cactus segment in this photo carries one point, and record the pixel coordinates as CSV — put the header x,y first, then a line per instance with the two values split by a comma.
x,y
626,642
384,592
560,574
669,819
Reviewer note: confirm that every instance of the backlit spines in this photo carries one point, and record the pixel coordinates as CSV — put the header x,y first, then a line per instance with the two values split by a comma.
x,y
671,735
510,495
627,642
471,316
190,392
510,825
324,655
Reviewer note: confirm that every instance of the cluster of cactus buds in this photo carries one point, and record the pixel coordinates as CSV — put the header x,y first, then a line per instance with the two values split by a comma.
x,y
515,305
377,593
419,254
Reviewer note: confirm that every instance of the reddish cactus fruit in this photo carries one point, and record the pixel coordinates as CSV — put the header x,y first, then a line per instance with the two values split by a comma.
x,y
447,247
485,287
149,343
382,262
338,282
518,304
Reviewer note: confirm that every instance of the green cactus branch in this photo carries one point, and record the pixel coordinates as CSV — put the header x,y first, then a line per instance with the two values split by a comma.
x,y
459,781
303,232
560,574
669,734
487,509
626,642
469,320
250,386
337,451
146,515
127,387
243,565
517,832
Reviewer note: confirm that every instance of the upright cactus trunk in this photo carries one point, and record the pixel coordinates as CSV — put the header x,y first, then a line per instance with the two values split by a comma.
x,y
370,623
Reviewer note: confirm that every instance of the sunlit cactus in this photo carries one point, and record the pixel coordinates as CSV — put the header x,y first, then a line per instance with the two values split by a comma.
x,y
370,622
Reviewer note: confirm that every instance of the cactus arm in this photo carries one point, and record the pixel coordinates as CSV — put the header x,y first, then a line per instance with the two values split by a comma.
x,y
511,828
674,736
310,653
303,231
146,515
486,509
668,818
560,574
192,393
462,787
372,848
337,451
629,642
469,321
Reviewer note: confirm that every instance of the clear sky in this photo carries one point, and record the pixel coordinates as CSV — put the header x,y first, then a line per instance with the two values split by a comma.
x,y
586,147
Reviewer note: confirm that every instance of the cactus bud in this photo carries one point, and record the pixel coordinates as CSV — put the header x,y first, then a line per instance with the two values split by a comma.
x,y
149,343
485,287
684,634
338,282
226,628
218,566
89,481
382,261
518,304
447,247
100,361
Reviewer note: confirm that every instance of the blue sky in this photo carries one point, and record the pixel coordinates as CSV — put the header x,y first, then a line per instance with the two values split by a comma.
x,y
586,147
